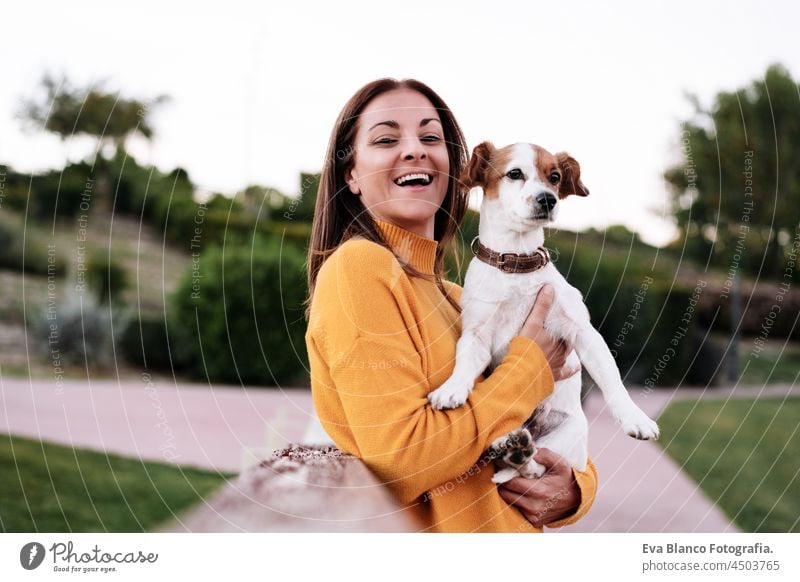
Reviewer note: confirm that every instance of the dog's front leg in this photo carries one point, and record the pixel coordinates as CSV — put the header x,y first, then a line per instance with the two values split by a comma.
x,y
472,358
598,361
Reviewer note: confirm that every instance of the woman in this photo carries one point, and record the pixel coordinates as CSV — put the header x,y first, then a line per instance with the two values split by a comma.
x,y
383,325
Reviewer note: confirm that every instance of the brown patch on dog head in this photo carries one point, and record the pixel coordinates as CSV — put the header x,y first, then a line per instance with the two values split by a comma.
x,y
486,167
570,176
476,170
547,167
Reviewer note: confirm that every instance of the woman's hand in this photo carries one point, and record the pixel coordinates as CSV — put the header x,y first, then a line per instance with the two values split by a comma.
x,y
552,497
555,350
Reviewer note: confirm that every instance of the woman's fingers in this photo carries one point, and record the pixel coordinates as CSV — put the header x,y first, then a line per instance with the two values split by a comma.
x,y
543,303
555,495
555,350
535,507
567,372
555,463
523,486
534,323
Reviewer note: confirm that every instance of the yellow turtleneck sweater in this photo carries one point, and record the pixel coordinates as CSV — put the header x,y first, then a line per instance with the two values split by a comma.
x,y
378,342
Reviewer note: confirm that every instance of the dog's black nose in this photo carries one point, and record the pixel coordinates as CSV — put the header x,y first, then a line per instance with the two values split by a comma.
x,y
546,200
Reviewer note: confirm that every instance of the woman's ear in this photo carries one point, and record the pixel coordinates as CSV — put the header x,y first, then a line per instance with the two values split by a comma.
x,y
352,182
476,173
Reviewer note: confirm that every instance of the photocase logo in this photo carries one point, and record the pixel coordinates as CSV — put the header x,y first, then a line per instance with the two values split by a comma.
x,y
31,555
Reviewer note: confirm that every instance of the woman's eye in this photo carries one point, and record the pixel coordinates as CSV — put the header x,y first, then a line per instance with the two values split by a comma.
x,y
385,141
554,178
515,174
431,138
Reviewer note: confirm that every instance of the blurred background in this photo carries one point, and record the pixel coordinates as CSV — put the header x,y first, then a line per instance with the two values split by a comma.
x,y
158,174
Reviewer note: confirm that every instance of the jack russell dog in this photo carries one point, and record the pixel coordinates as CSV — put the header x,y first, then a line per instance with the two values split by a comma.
x,y
522,186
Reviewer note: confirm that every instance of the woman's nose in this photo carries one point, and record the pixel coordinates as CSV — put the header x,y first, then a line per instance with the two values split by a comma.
x,y
413,149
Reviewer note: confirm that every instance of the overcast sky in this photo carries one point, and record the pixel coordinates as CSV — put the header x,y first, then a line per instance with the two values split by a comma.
x,y
256,87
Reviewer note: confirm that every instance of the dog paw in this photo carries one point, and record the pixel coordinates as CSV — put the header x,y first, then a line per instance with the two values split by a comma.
x,y
514,449
504,475
532,470
451,394
640,426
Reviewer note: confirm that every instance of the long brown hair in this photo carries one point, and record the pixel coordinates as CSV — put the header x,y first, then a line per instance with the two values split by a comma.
x,y
339,215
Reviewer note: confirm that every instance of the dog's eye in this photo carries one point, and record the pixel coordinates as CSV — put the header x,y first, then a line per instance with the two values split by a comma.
x,y
515,174
554,178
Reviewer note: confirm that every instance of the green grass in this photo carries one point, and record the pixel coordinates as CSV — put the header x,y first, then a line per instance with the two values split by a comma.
x,y
777,363
50,488
744,455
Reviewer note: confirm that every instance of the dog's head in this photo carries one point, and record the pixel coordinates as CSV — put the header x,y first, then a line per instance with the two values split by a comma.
x,y
525,179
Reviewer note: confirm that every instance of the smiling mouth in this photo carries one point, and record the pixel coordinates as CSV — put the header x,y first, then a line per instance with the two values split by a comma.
x,y
415,179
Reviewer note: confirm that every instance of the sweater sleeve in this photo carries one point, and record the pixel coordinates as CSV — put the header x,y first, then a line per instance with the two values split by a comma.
x,y
366,337
587,482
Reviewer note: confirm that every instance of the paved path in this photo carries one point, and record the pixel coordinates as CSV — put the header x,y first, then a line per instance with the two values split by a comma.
x,y
218,428
224,428
642,489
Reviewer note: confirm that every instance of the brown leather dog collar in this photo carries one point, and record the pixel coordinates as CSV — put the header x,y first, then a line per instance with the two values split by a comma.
x,y
511,262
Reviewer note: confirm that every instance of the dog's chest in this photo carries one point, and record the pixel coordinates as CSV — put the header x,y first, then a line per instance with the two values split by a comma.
x,y
496,304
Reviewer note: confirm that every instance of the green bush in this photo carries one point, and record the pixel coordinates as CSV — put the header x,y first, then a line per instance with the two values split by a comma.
x,y
295,232
145,342
218,227
60,192
237,315
167,202
144,191
77,330
39,259
106,278
164,200
300,209
11,239
13,189
651,327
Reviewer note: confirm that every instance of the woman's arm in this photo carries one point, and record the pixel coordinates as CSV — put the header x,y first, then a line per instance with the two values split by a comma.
x,y
370,388
409,445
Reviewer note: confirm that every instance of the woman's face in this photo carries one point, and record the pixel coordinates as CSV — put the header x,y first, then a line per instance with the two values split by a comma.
x,y
401,167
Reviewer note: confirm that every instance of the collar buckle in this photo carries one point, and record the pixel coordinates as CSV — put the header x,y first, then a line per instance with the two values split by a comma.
x,y
502,262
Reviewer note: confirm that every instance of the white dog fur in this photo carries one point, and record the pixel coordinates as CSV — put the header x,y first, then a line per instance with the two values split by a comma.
x,y
495,305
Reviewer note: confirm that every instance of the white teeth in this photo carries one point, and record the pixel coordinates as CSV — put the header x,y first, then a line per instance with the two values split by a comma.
x,y
403,179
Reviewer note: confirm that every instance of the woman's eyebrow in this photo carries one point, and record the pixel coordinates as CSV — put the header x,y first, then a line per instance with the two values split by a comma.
x,y
427,120
393,124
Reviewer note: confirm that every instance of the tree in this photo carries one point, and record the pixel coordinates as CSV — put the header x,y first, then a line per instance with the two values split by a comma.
x,y
108,117
70,111
736,196
263,201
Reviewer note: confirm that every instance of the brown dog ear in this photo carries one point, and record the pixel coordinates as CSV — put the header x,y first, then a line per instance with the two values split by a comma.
x,y
570,176
476,172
